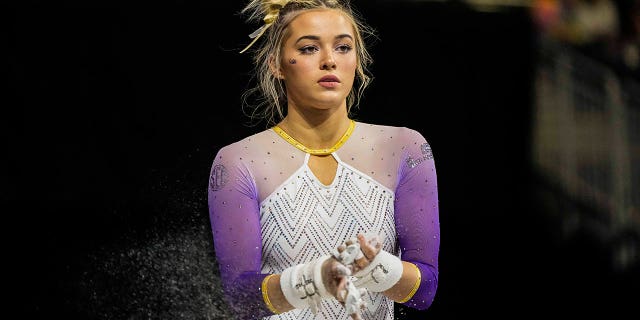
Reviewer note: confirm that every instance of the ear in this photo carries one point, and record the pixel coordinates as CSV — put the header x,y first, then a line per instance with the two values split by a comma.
x,y
273,66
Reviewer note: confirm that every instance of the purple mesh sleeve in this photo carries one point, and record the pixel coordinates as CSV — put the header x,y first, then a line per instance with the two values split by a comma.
x,y
235,223
417,218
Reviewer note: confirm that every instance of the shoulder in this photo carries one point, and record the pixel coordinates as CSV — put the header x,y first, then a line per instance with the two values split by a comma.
x,y
405,141
245,147
399,134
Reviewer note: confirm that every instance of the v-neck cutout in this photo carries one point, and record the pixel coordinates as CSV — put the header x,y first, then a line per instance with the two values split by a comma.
x,y
323,168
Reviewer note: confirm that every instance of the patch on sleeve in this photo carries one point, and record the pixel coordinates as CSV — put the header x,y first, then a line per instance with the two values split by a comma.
x,y
427,154
218,177
426,151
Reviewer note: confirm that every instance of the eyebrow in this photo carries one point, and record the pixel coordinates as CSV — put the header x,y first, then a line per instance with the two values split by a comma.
x,y
311,37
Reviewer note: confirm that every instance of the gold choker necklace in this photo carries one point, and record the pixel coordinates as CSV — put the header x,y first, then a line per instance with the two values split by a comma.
x,y
317,152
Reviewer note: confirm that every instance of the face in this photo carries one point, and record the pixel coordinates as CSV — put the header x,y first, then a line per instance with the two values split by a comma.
x,y
319,60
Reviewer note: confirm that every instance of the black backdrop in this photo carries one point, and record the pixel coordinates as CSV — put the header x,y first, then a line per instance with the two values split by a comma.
x,y
118,109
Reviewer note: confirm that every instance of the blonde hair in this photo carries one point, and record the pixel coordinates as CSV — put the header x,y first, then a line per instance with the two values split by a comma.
x,y
269,91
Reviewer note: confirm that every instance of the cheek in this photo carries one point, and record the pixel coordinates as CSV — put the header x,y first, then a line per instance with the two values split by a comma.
x,y
297,68
349,68
350,63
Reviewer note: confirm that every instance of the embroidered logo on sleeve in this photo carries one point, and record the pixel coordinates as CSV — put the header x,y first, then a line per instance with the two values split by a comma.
x,y
427,154
426,151
218,177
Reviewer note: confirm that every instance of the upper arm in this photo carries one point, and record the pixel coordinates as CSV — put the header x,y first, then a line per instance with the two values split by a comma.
x,y
234,216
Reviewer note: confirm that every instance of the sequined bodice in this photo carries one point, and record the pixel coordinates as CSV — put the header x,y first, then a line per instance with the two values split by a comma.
x,y
269,212
304,219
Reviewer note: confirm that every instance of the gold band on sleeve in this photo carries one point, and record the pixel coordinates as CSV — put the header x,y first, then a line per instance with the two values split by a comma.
x,y
265,295
416,285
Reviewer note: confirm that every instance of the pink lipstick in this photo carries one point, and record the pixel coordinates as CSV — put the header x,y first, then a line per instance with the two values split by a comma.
x,y
329,81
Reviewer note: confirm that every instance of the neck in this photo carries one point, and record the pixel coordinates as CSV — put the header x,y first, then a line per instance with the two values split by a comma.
x,y
316,133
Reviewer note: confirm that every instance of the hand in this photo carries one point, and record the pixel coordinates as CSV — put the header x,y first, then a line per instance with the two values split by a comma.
x,y
369,248
335,277
372,268
352,300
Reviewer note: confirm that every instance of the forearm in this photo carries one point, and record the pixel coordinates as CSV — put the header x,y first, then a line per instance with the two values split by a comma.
x,y
406,287
410,282
423,283
305,285
273,295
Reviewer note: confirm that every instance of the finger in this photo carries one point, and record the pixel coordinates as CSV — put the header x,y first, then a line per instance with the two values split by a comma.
x,y
370,248
352,269
372,240
370,251
351,241
356,315
338,273
341,292
375,242
361,263
341,248
342,270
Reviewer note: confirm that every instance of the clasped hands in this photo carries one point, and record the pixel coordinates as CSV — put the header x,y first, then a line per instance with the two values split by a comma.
x,y
357,266
351,258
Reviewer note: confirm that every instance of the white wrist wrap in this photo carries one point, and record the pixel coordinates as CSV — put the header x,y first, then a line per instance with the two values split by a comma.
x,y
381,274
302,285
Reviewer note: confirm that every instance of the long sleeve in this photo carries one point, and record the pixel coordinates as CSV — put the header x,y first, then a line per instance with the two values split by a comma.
x,y
235,224
417,216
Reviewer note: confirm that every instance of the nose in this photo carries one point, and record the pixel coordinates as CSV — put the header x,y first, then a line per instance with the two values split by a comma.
x,y
328,63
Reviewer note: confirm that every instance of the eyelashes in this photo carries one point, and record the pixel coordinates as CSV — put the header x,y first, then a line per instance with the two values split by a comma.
x,y
343,48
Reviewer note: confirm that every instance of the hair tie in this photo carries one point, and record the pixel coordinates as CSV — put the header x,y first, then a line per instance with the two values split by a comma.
x,y
272,13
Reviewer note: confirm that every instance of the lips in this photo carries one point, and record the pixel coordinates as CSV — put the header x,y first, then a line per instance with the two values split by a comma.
x,y
329,79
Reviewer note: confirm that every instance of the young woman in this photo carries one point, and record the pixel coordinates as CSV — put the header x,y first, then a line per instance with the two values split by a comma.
x,y
320,216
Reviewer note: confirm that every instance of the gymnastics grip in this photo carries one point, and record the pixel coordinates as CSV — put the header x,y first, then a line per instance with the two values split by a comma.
x,y
381,274
302,285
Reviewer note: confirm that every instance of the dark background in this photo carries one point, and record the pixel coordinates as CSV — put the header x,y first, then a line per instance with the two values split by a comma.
x,y
119,108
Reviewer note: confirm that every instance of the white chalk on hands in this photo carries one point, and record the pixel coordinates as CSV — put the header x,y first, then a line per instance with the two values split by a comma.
x,y
353,301
350,254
